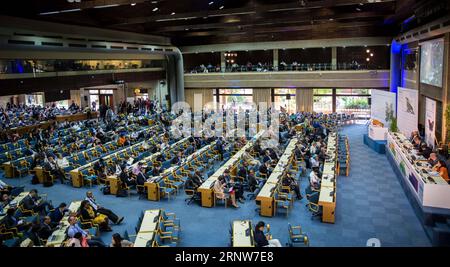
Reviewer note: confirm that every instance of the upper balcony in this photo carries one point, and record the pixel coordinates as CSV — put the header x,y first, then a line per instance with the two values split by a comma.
x,y
22,69
317,77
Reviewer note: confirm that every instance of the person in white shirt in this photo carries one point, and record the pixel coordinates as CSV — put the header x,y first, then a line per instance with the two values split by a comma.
x,y
314,162
314,179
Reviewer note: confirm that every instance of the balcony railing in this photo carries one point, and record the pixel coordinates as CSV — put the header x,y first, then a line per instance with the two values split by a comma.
x,y
285,67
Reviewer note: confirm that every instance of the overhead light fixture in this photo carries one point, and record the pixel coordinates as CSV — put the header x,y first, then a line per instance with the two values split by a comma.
x,y
70,10
106,6
221,7
368,51
367,59
358,9
48,13
331,19
154,2
173,13
133,4
74,1
172,19
210,3
371,54
155,9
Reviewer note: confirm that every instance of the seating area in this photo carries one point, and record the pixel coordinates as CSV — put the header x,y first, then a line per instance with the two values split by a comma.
x,y
258,124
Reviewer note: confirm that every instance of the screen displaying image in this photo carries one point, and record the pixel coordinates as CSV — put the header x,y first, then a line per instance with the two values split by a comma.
x,y
432,62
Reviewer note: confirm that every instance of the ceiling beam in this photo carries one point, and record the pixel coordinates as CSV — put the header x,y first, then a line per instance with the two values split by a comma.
x,y
248,10
64,5
266,22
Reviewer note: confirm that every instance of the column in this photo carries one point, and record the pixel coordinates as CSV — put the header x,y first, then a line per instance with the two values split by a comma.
x,y
275,59
334,58
223,64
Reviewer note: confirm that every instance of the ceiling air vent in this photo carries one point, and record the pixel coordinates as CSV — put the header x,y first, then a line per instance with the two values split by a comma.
x,y
52,44
19,42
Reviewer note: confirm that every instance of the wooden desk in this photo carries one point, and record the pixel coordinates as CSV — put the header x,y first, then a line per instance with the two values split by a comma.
x,y
77,178
113,182
9,169
153,190
150,221
243,234
265,199
206,189
327,199
39,172
149,227
144,239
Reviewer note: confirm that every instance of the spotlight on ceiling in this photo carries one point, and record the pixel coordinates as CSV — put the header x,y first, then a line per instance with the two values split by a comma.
x,y
155,9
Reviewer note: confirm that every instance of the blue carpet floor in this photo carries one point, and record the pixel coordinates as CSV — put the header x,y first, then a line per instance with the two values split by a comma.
x,y
370,204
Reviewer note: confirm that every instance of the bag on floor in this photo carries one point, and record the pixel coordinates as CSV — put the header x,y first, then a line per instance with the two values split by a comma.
x,y
47,183
122,193
106,190
34,180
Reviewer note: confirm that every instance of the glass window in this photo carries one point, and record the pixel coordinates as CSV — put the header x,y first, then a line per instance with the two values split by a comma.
x,y
62,104
285,98
323,91
95,92
34,99
235,98
323,104
106,92
358,105
353,91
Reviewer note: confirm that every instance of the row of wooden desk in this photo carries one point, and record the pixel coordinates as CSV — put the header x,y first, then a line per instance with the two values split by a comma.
x,y
59,118
152,185
77,177
265,199
148,229
206,189
327,194
243,235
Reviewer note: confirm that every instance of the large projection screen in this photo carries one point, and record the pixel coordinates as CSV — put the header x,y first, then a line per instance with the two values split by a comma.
x,y
432,62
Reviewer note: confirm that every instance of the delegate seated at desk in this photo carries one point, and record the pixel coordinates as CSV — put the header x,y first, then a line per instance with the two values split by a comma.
x,y
261,238
75,228
33,202
219,191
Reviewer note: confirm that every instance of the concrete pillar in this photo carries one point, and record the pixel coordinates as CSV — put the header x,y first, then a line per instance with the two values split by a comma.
x,y
334,58
275,59
223,64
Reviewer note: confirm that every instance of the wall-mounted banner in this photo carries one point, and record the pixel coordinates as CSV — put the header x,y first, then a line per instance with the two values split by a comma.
x,y
430,122
407,110
383,105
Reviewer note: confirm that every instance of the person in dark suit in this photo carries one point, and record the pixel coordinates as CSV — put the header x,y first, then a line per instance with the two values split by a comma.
x,y
261,238
265,169
290,182
126,178
267,156
57,215
35,203
257,148
197,179
33,235
177,159
252,182
46,228
10,221
242,172
156,170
